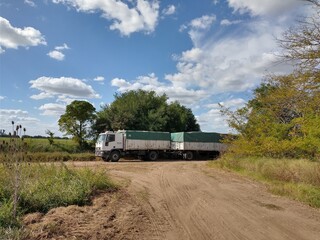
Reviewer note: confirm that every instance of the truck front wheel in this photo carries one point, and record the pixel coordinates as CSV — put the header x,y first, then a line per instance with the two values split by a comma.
x,y
188,155
153,155
114,156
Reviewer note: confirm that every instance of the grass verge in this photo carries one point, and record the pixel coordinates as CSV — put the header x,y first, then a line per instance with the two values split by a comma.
x,y
46,186
297,179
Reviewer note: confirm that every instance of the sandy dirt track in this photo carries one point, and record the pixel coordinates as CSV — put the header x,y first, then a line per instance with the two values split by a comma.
x,y
180,200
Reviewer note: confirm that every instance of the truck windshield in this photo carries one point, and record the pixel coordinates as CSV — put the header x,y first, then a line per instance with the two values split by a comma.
x,y
101,138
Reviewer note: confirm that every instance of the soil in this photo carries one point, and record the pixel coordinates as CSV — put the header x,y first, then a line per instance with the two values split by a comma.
x,y
178,200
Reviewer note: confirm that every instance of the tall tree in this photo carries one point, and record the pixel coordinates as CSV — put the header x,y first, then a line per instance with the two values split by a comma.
x,y
143,110
283,118
77,120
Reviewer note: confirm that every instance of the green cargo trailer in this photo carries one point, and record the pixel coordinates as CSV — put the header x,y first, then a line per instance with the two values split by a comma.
x,y
191,143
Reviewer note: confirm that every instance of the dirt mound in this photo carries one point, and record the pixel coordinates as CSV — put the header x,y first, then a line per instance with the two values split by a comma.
x,y
111,216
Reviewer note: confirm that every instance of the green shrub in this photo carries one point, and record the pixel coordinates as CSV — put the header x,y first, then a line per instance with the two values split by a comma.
x,y
47,186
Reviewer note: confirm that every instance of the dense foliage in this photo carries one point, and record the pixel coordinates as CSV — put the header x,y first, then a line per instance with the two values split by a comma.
x,y
283,118
77,121
142,110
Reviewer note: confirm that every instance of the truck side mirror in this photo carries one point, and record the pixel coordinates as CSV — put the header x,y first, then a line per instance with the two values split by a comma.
x,y
107,144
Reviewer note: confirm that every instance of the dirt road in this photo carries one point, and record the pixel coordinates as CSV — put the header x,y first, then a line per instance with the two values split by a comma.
x,y
188,200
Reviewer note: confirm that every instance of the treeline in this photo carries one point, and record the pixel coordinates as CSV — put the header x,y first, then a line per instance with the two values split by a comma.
x,y
134,110
283,118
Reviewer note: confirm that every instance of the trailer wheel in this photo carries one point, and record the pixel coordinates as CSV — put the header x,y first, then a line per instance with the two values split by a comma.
x,y
188,155
153,155
114,156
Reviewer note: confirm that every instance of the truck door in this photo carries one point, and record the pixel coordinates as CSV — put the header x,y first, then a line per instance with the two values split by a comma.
x,y
112,142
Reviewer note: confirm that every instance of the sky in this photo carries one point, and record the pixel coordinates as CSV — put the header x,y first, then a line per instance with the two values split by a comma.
x,y
200,53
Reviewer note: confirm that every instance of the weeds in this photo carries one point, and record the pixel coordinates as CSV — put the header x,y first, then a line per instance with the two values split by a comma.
x,y
26,186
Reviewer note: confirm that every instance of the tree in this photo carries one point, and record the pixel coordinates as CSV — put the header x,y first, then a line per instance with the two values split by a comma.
x,y
283,118
301,44
77,121
50,136
143,110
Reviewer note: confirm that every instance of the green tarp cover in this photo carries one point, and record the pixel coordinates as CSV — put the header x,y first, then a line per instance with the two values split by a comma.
x,y
196,137
147,135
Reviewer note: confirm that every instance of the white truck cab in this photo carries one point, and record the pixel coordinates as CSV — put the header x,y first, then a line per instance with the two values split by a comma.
x,y
109,145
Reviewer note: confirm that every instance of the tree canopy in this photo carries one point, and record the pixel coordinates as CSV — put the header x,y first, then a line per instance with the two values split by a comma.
x,y
283,118
143,110
77,121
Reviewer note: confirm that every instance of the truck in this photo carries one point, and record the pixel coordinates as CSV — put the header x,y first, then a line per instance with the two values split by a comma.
x,y
149,145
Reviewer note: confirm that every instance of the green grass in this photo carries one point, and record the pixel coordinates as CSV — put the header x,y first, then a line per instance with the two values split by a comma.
x,y
297,179
46,186
39,150
42,145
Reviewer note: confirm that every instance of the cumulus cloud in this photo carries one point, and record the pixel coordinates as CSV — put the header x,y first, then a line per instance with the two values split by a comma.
x,y
151,83
12,37
230,64
34,126
263,7
18,116
99,79
169,10
65,86
56,55
2,97
143,16
52,109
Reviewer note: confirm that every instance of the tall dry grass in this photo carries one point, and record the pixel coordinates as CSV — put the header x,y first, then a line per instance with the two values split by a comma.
x,y
297,178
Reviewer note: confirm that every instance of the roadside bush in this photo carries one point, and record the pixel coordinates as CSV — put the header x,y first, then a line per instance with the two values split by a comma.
x,y
49,186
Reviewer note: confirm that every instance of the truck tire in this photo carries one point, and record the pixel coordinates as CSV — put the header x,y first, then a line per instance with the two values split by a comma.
x,y
188,155
153,155
114,156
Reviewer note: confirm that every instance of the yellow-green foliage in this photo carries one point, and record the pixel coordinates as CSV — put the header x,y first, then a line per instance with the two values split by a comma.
x,y
298,179
46,186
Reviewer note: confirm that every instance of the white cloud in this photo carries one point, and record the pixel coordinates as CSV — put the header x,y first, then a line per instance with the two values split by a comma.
x,y
264,7
18,116
30,3
203,22
62,47
231,64
53,109
66,86
141,17
12,37
34,126
213,120
233,104
2,97
99,79
226,22
169,10
151,83
56,55
198,27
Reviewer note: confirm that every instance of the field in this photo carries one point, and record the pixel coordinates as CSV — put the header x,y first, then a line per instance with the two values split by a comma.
x,y
39,150
165,199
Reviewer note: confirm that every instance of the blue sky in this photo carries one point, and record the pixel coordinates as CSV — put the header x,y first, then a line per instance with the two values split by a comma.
x,y
200,53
